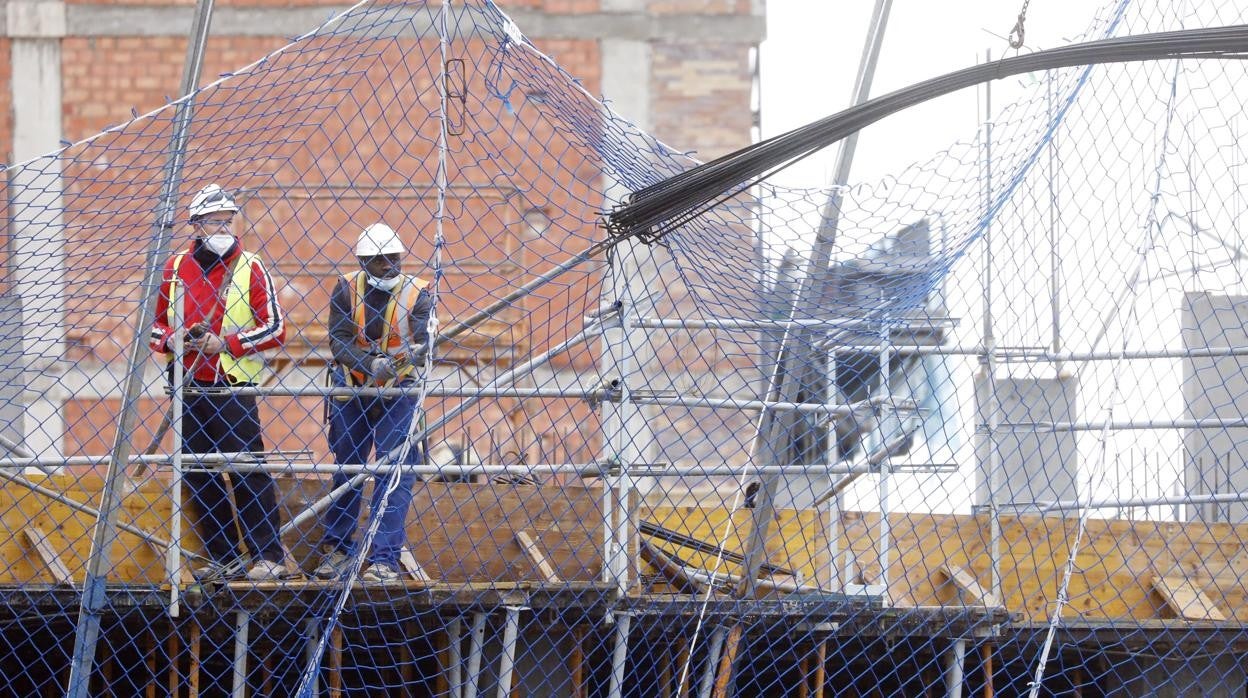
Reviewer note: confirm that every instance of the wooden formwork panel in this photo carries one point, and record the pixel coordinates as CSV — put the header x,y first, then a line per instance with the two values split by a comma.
x,y
461,532
37,528
1113,577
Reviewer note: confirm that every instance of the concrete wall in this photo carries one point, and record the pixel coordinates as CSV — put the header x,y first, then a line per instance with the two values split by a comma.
x,y
1033,465
1215,388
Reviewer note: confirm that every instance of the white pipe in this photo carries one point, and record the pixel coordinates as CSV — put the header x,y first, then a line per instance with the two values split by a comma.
x,y
309,653
619,654
241,619
712,662
953,669
507,663
477,640
455,676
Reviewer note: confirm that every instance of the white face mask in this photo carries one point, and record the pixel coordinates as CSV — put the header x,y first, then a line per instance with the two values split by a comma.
x,y
219,243
384,284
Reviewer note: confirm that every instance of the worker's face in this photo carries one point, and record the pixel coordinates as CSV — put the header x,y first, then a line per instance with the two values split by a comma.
x,y
382,266
215,223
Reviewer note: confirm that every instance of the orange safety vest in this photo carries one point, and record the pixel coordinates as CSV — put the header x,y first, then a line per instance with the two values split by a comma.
x,y
396,314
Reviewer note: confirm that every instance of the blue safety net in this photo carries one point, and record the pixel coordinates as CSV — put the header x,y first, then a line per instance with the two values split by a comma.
x,y
974,427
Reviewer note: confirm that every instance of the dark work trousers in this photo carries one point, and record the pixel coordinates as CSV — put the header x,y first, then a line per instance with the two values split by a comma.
x,y
225,423
357,426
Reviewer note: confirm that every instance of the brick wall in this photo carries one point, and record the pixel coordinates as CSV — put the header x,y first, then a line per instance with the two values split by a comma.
x,y
303,227
701,96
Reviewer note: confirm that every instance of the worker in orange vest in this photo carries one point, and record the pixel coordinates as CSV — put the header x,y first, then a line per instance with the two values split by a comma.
x,y
378,317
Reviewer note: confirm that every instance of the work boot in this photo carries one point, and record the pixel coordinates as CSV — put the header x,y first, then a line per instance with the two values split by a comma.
x,y
268,571
333,563
214,571
381,573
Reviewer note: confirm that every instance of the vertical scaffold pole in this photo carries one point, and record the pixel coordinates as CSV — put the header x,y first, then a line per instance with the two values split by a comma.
x,y
507,661
242,621
619,654
954,658
475,644
105,533
990,361
453,658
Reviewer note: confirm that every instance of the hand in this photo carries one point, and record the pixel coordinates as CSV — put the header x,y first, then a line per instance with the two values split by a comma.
x,y
208,343
382,369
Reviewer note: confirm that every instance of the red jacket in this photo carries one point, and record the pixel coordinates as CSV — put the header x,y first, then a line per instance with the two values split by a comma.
x,y
202,303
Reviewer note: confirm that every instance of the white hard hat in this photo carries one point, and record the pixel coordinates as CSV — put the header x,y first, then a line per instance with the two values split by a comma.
x,y
211,199
376,239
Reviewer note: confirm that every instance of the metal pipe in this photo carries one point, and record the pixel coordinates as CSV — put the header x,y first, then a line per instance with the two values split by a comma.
x,y
845,323
521,370
476,642
507,662
829,409
150,459
312,628
173,557
105,534
454,670
1224,498
1055,261
989,358
241,619
813,286
492,309
885,524
954,658
323,391
518,372
477,394
716,646
14,448
593,469
1046,427
619,653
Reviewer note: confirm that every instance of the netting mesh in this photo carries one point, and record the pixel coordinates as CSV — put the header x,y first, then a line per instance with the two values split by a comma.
x,y
992,443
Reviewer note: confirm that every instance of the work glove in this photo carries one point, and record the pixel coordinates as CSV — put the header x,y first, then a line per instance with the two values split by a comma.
x,y
382,369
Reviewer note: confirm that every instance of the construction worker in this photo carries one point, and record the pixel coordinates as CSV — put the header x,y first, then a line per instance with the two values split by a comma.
x,y
378,317
222,300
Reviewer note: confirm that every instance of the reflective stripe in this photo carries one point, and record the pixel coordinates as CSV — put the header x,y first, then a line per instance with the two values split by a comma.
x,y
396,315
238,315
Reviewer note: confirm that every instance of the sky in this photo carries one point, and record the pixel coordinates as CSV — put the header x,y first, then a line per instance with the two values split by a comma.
x,y
810,60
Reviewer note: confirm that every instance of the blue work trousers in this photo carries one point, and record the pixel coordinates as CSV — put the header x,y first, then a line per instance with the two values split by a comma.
x,y
356,426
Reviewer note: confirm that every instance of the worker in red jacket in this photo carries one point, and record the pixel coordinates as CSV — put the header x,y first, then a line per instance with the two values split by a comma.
x,y
228,314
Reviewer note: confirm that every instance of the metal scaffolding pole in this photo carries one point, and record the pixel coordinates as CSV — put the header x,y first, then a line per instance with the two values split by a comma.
x,y
1224,498
105,533
797,359
506,379
593,469
989,359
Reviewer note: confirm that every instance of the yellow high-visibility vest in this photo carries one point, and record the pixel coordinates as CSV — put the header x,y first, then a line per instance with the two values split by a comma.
x,y
238,316
396,314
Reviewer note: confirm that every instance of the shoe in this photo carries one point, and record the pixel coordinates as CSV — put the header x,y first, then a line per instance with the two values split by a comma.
x,y
214,571
268,571
381,573
333,563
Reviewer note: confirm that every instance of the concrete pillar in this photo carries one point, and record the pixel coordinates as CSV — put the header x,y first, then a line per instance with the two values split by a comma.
x,y
37,238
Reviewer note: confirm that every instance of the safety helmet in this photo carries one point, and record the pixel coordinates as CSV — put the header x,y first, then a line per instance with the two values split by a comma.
x,y
211,199
378,239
